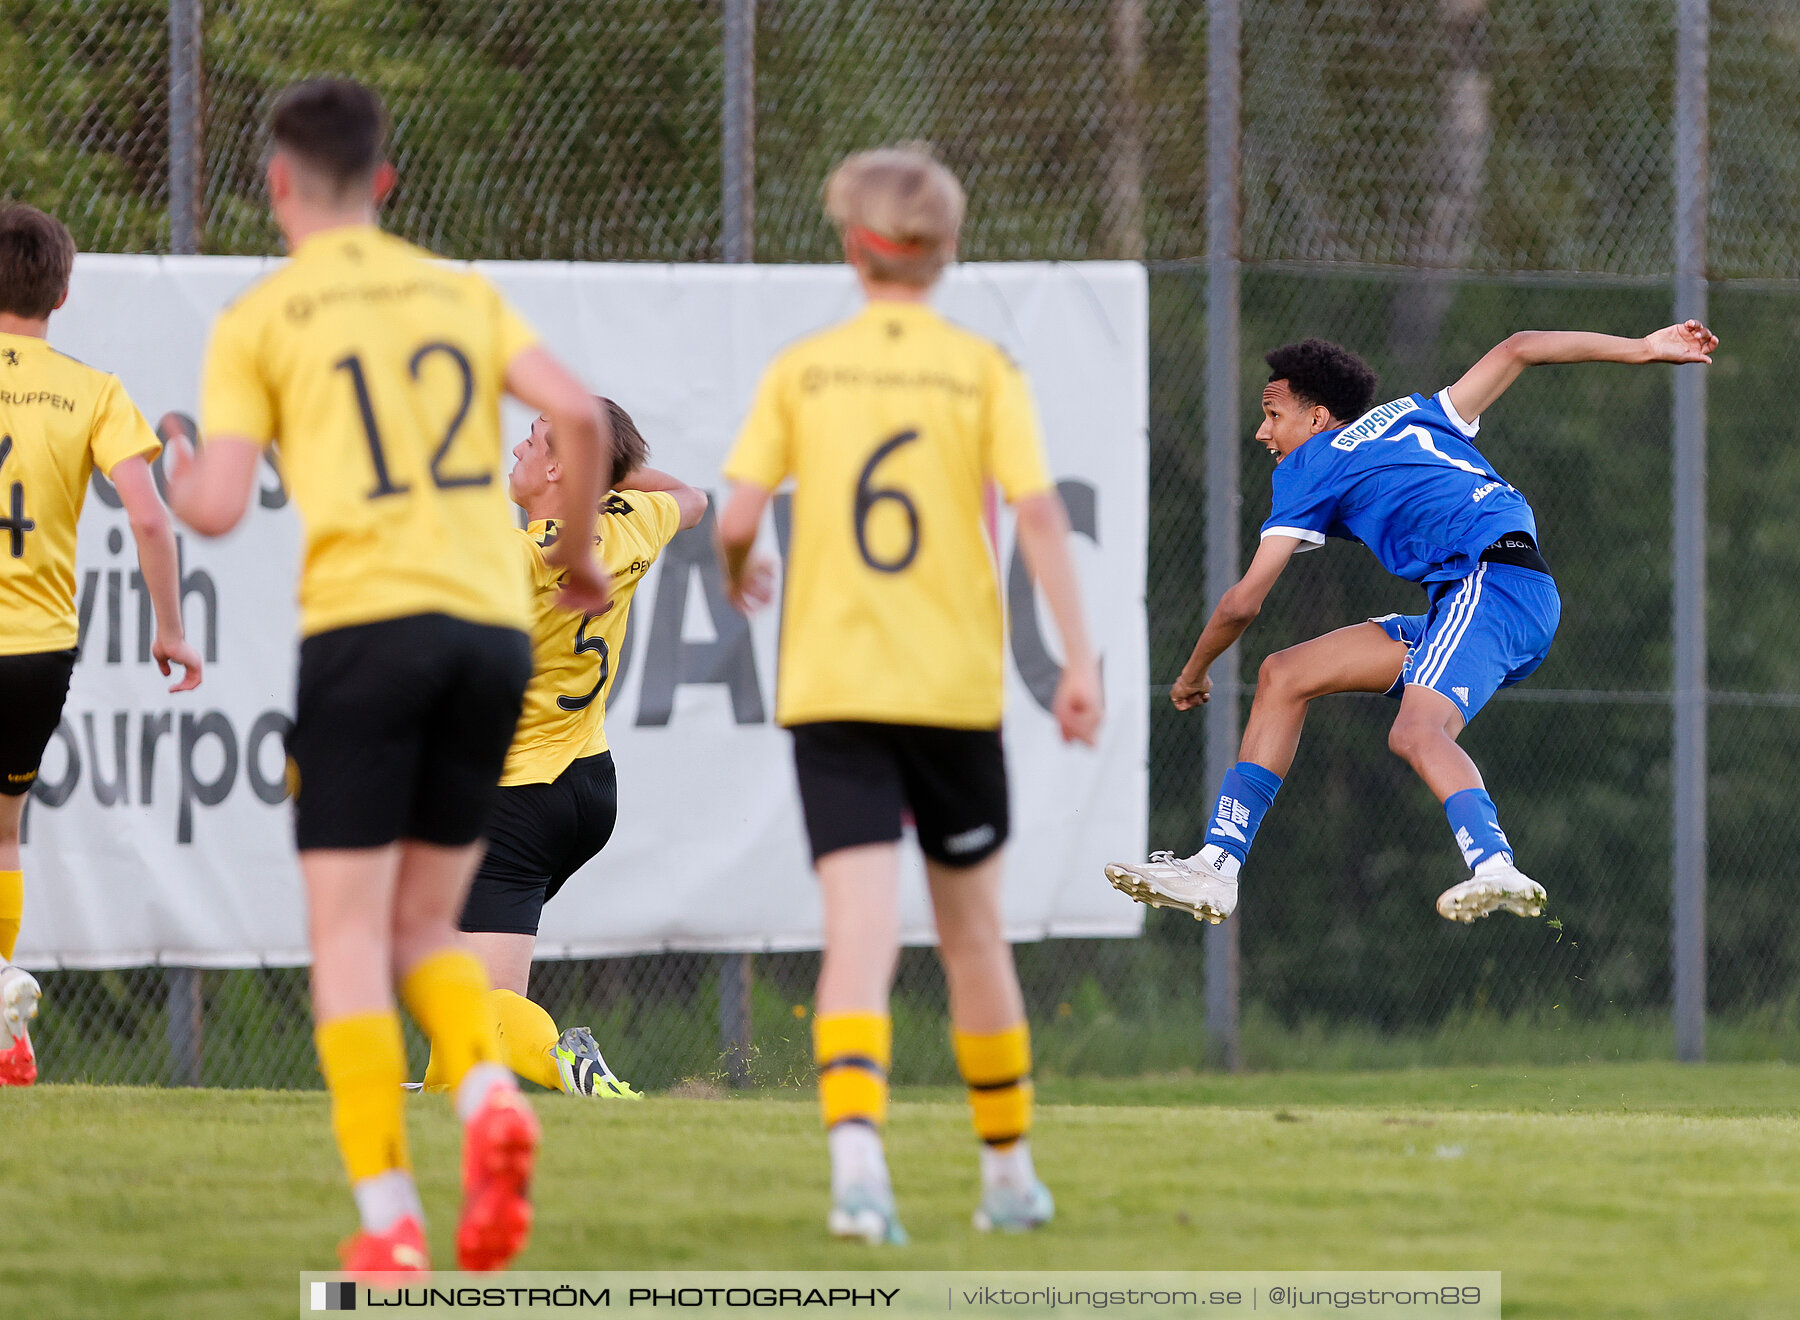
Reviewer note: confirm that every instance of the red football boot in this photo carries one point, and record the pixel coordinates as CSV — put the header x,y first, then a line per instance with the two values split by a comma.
x,y
400,1250
18,1006
499,1149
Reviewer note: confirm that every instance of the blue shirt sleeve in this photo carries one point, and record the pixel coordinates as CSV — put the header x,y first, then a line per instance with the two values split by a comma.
x,y
1303,506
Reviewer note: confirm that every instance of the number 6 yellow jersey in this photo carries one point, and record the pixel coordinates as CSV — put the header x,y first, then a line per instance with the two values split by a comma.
x,y
892,424
377,373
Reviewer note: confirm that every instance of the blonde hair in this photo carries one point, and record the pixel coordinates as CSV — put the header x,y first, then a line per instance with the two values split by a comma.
x,y
899,210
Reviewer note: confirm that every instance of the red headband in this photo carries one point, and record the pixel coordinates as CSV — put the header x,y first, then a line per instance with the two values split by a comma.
x,y
883,246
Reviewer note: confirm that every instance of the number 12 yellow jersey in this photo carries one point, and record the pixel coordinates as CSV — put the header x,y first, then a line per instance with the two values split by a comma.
x,y
892,424
58,421
378,372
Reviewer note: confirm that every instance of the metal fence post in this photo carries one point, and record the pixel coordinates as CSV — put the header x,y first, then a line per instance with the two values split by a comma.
x,y
182,1003
1689,900
1222,457
185,1035
184,125
1122,214
738,151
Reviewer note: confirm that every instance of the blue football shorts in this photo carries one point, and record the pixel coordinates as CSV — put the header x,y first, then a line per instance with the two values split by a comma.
x,y
1481,634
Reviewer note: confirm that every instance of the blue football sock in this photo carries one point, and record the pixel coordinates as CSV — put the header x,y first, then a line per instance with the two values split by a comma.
x,y
1476,826
1244,798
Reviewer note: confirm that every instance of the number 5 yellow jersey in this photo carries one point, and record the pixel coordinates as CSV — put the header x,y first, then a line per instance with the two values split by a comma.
x,y
377,372
58,421
892,424
575,657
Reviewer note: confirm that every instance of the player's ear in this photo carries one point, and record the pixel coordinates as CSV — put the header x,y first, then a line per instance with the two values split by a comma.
x,y
1321,418
280,176
60,301
385,175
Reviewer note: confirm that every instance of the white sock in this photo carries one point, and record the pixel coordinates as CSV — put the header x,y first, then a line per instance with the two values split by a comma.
x,y
1010,1167
386,1199
476,1084
1215,859
857,1159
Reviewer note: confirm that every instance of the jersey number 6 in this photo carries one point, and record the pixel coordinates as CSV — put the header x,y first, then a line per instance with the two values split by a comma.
x,y
867,497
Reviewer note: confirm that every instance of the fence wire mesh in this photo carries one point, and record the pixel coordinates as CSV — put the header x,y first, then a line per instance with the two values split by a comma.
x,y
1420,178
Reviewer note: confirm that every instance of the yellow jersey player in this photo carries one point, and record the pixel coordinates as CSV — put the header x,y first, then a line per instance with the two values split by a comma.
x,y
59,420
378,371
892,425
559,794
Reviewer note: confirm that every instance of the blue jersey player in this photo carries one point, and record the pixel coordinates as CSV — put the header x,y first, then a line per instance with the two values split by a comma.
x,y
1406,480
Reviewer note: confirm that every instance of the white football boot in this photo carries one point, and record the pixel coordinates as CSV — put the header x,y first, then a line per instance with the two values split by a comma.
x,y
19,996
1496,886
1204,886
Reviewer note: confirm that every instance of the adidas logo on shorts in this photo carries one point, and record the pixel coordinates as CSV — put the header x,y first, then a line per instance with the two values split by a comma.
x,y
970,840
1462,694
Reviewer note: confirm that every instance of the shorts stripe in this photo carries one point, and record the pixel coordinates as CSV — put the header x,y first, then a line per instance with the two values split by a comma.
x,y
1442,662
1436,644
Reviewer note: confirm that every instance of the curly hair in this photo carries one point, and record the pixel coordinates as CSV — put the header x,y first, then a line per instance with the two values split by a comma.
x,y
1324,375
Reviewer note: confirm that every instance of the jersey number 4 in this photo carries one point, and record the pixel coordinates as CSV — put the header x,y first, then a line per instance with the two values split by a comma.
x,y
15,524
385,484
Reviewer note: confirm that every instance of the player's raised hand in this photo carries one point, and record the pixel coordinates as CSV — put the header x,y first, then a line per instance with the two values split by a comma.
x,y
1187,693
754,585
585,586
178,450
171,651
1078,703
1687,341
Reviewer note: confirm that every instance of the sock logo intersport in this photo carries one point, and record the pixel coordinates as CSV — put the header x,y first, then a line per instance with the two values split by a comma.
x,y
1233,816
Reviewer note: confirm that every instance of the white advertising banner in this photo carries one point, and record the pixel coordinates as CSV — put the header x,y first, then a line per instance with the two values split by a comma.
x,y
158,830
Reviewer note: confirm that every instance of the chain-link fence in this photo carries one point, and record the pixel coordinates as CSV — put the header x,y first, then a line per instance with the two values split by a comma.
x,y
1418,179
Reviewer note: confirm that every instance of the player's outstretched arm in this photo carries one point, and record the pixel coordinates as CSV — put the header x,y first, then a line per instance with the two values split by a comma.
x,y
749,577
1488,379
1044,541
160,561
689,499
584,447
1235,612
210,490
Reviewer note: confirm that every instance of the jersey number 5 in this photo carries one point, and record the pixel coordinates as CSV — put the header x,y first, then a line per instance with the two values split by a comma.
x,y
16,524
585,643
384,484
868,496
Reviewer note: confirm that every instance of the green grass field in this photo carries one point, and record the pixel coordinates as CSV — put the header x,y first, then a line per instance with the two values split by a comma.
x,y
1628,1190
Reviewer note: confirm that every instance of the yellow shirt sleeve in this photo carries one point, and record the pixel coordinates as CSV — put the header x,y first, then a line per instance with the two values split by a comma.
x,y
1015,444
665,516
235,398
120,431
763,455
512,333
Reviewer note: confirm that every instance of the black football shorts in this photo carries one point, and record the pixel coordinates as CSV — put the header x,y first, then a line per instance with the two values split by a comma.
x,y
32,691
858,779
401,729
541,834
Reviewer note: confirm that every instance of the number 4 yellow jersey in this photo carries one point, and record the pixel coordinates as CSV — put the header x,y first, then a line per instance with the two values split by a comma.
x,y
575,657
378,372
892,424
58,421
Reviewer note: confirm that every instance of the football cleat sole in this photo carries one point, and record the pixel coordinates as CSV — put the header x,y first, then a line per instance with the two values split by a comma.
x,y
499,1153
1476,898
1134,886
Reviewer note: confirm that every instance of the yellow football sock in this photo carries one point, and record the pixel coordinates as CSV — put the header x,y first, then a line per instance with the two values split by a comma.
x,y
447,996
997,1069
12,911
853,1051
363,1058
527,1036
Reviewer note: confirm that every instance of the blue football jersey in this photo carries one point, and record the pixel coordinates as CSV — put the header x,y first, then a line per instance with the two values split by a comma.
x,y
1406,480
